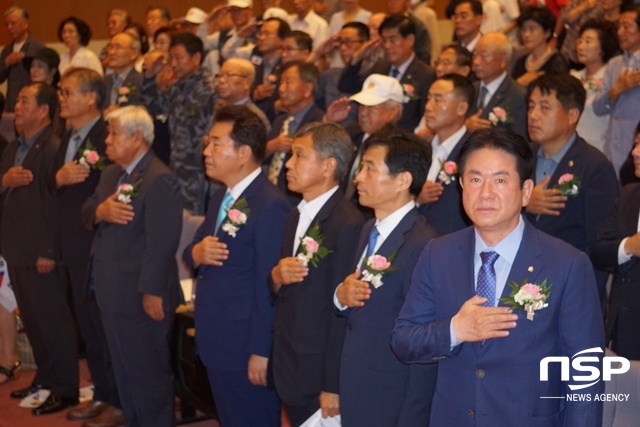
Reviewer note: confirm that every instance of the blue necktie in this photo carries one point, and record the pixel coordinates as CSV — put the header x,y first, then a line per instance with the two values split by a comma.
x,y
224,208
395,73
487,278
373,238
72,148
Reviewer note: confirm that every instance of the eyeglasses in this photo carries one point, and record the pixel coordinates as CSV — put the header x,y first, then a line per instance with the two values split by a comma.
x,y
227,76
111,46
348,43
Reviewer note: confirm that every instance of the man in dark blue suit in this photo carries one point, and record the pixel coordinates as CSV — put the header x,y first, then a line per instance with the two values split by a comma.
x,y
307,339
133,268
440,199
488,351
232,255
555,104
376,389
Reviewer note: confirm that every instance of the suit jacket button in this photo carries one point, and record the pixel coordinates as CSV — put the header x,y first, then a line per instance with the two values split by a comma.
x,y
480,373
470,413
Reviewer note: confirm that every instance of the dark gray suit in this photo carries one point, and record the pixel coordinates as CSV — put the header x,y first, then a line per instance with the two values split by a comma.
x,y
511,96
133,82
129,261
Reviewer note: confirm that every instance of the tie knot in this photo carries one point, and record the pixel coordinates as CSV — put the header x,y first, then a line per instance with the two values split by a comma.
x,y
489,258
395,72
227,202
374,234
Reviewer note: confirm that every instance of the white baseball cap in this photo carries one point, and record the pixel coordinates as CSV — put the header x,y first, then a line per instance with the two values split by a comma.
x,y
378,88
195,16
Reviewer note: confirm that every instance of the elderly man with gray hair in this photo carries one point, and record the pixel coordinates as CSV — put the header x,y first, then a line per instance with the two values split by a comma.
x,y
137,212
233,85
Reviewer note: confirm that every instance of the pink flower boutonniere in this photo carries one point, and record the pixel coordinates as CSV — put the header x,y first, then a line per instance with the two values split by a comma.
x,y
593,85
375,267
236,217
569,185
125,93
500,115
409,91
89,157
127,192
529,297
272,79
311,249
448,172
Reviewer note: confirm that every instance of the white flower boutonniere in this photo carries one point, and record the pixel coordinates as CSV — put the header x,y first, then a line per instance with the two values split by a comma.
x,y
90,157
529,297
375,267
236,217
500,115
125,93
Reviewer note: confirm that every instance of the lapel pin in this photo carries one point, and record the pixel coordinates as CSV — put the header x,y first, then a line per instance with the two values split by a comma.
x,y
530,269
570,163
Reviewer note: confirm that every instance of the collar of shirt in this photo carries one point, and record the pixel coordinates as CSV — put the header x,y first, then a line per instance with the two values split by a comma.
x,y
308,19
546,166
442,150
492,86
387,225
129,169
473,43
122,76
239,188
297,118
308,211
402,68
631,60
84,130
507,248
242,101
22,152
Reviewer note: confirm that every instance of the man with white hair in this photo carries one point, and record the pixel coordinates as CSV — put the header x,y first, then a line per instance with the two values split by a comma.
x,y
234,86
134,270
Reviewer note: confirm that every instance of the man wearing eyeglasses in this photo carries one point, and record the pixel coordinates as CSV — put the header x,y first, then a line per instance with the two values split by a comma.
x,y
125,83
234,83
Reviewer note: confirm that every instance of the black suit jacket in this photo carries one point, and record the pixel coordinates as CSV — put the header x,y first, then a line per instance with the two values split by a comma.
x,y
28,218
510,95
133,81
266,104
315,114
73,238
419,75
376,388
447,214
624,304
584,214
139,257
307,337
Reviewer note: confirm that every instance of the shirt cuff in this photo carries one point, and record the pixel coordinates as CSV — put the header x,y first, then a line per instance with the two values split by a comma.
x,y
622,255
336,302
454,341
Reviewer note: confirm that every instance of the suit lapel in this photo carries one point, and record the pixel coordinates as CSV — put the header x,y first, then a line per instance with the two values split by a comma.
x,y
364,239
497,97
37,146
395,240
